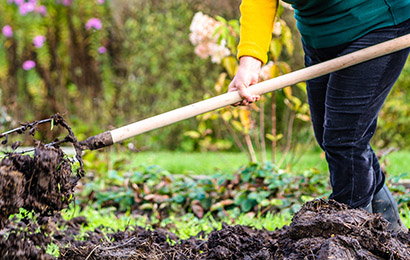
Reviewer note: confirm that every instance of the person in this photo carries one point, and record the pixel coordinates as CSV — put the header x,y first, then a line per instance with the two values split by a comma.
x,y
345,104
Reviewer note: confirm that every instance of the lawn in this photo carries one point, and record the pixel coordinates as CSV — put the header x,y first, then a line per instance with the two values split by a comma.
x,y
209,163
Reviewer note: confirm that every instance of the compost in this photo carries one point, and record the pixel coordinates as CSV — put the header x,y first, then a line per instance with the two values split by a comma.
x,y
44,184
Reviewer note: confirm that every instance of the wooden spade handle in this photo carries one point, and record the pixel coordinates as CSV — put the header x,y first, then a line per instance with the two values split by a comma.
x,y
264,87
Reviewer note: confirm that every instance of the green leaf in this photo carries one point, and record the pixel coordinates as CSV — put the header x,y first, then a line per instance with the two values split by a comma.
x,y
220,19
275,48
247,204
287,39
179,198
146,206
192,134
230,64
237,125
274,138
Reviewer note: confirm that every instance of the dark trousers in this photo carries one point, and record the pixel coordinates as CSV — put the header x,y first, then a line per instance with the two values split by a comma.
x,y
344,106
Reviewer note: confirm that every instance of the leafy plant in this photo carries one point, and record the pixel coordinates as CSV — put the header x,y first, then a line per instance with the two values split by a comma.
x,y
156,193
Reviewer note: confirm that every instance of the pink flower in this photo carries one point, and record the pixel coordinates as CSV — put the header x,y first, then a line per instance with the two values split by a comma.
x,y
100,1
213,50
26,8
41,9
29,64
102,50
67,2
93,23
7,31
39,40
18,2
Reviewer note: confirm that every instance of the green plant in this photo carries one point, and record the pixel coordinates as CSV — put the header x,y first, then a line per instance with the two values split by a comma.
x,y
157,193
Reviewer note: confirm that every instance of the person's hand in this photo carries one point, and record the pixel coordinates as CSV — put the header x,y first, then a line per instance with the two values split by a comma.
x,y
247,75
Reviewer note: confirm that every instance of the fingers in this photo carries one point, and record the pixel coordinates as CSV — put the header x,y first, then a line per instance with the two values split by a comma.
x,y
247,97
245,102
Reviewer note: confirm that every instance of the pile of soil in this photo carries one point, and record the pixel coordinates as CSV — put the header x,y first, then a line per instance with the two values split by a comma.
x,y
44,182
320,230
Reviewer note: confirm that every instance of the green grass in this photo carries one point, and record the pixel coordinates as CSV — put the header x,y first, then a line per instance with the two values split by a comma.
x,y
224,162
398,162
210,162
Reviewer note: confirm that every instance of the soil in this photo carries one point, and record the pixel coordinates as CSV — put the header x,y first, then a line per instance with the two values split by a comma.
x,y
320,230
44,183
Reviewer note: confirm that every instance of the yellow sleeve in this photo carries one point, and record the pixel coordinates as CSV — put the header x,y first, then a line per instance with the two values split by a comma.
x,y
257,19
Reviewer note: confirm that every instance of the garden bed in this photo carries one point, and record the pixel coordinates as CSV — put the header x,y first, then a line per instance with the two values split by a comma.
x,y
43,184
320,230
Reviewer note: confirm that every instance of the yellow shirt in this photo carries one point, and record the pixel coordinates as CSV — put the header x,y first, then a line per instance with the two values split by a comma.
x,y
257,19
322,23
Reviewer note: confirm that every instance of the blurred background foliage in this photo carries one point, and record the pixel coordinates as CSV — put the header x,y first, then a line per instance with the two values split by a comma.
x,y
140,63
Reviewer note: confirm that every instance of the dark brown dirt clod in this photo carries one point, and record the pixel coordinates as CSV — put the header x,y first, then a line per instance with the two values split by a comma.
x,y
238,242
323,229
43,183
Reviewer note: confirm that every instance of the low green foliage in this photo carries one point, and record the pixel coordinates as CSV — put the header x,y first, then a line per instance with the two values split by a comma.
x,y
130,185
256,188
104,218
53,249
185,226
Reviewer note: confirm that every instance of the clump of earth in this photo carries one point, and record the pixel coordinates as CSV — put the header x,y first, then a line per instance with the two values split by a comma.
x,y
44,184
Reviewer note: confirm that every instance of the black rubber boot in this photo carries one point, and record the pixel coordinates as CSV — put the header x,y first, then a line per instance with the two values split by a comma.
x,y
368,208
384,203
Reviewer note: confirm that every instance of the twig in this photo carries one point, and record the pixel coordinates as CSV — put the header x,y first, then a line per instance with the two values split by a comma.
x,y
262,131
274,126
236,139
92,251
117,246
250,148
24,127
64,140
289,138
